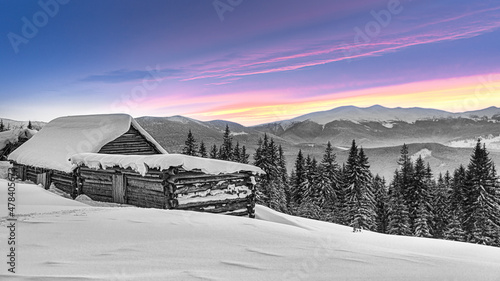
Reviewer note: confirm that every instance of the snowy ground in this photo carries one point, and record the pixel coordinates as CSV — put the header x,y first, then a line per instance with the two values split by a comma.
x,y
4,169
62,239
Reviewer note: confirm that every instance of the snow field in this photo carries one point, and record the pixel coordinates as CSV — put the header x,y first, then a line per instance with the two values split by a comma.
x,y
63,239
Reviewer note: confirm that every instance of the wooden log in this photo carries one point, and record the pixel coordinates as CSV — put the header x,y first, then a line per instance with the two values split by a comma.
x,y
144,184
97,182
62,180
87,170
186,189
239,213
209,202
206,178
150,193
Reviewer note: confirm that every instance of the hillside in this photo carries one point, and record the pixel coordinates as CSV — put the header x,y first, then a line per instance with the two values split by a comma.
x,y
62,239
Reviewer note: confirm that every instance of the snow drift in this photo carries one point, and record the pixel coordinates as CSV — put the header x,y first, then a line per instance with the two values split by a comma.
x,y
60,239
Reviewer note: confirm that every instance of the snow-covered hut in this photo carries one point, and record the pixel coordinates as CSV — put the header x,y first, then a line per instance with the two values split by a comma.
x,y
112,158
12,139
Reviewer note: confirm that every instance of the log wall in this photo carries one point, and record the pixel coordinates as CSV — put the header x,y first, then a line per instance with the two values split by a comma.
x,y
63,181
224,194
130,143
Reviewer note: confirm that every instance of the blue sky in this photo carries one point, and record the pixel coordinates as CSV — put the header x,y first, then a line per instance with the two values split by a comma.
x,y
246,61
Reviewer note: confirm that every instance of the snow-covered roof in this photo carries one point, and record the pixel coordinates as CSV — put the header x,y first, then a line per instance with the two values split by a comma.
x,y
63,137
13,136
140,163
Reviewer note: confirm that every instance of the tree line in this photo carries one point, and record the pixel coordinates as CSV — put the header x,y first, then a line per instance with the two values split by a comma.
x,y
7,128
226,151
462,206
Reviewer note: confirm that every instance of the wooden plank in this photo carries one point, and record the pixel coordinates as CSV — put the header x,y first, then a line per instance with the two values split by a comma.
x,y
144,184
210,202
186,189
43,179
119,188
206,178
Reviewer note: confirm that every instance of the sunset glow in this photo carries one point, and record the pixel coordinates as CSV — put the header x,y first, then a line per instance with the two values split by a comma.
x,y
261,62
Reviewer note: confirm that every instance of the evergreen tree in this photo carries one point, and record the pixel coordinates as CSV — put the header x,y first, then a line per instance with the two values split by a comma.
x,y
406,179
482,210
330,169
421,228
2,126
203,150
226,149
398,211
236,153
213,152
381,204
441,205
29,125
243,155
271,187
359,193
458,196
300,179
454,230
419,198
190,146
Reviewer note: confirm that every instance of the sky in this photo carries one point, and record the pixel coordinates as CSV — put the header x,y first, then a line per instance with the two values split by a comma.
x,y
247,61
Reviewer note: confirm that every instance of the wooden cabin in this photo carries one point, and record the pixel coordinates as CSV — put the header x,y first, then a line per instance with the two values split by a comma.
x,y
74,153
168,181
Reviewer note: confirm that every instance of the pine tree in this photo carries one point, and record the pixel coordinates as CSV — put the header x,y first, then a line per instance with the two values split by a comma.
x,y
406,180
29,125
421,227
398,211
441,205
243,155
482,210
236,153
381,204
203,150
271,187
454,230
419,198
213,152
2,126
359,193
330,169
190,146
300,179
226,149
458,196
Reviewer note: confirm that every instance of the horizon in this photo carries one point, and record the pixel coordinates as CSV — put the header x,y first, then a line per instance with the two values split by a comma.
x,y
241,62
210,120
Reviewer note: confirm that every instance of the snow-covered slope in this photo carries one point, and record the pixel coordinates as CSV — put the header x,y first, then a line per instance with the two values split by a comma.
x,y
60,239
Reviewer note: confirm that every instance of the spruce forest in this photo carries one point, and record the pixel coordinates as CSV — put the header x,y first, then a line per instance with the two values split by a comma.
x,y
461,205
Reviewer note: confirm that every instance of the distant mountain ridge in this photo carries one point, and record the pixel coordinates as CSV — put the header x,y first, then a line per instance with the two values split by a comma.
x,y
446,138
381,113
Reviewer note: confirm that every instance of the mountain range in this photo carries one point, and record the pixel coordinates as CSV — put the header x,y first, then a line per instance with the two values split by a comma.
x,y
443,138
